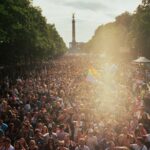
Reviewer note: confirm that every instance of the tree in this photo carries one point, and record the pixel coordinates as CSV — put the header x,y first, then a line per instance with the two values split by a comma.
x,y
131,31
145,2
25,34
111,37
141,29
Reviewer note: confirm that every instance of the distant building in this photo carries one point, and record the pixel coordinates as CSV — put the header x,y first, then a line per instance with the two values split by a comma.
x,y
75,46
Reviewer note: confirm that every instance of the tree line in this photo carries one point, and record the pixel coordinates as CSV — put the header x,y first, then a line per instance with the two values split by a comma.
x,y
25,35
128,35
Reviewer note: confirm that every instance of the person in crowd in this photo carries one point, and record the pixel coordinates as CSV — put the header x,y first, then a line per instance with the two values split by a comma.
x,y
91,140
61,133
7,144
62,107
145,120
69,143
50,144
32,145
3,126
61,146
139,145
2,143
81,145
111,146
23,144
39,139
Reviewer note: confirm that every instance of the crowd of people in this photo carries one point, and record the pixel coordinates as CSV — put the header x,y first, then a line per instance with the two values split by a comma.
x,y
57,108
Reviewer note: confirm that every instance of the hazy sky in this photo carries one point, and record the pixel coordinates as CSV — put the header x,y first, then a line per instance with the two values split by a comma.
x,y
89,14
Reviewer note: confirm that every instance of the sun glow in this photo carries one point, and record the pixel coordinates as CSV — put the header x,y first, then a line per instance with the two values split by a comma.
x,y
110,89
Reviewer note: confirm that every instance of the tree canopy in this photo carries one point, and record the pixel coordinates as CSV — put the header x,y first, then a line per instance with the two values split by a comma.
x,y
25,34
129,33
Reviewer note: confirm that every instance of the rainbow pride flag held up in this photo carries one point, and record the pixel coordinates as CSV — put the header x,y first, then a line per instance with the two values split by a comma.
x,y
94,71
92,75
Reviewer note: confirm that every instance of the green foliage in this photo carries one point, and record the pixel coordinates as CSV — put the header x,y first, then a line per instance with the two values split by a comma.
x,y
111,37
145,2
141,29
129,32
25,35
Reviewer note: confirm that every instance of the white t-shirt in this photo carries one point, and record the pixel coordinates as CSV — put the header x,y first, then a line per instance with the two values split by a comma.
x,y
82,148
137,147
10,148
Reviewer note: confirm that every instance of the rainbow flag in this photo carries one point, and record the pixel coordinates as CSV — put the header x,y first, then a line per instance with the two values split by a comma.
x,y
94,71
92,75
